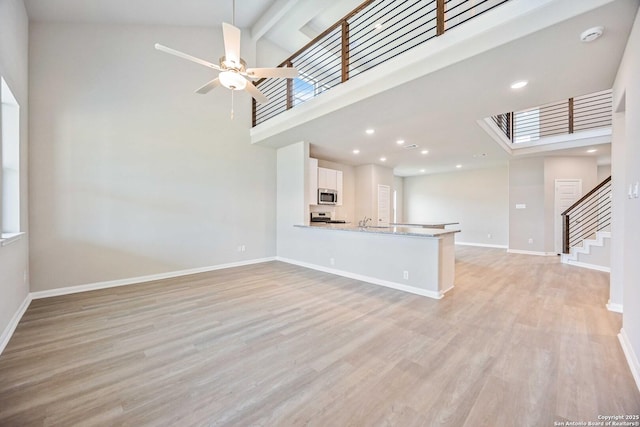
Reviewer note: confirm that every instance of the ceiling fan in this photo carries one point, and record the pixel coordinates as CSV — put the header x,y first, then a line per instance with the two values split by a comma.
x,y
234,74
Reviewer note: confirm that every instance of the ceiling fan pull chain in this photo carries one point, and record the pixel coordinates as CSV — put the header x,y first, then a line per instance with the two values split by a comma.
x,y
233,14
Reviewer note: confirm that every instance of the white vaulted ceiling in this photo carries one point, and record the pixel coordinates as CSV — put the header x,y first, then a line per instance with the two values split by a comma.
x,y
437,111
152,12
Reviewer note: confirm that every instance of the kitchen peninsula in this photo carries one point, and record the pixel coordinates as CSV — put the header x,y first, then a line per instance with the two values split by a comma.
x,y
412,259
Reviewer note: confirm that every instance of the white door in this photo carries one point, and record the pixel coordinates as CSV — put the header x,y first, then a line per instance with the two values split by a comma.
x,y
384,203
568,191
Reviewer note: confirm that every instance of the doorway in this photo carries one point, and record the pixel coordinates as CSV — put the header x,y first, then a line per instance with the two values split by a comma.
x,y
384,202
568,191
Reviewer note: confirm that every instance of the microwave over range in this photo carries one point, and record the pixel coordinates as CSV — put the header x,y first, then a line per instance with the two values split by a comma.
x,y
327,196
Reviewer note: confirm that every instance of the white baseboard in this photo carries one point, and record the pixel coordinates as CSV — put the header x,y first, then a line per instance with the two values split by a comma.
x,y
13,323
368,279
590,266
632,358
616,308
135,280
518,251
482,245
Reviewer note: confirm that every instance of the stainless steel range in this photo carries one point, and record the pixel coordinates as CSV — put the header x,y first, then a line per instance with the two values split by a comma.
x,y
325,217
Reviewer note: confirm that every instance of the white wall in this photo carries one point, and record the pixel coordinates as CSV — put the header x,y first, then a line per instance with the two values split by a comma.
x,y
398,187
477,199
368,177
604,172
291,196
625,272
532,183
14,44
132,173
583,168
526,187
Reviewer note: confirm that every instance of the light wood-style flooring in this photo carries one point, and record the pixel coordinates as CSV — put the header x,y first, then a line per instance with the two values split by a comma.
x,y
520,341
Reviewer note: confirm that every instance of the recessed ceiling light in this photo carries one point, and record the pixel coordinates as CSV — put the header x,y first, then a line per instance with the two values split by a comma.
x,y
458,166
400,141
423,170
383,159
593,150
370,131
424,152
356,151
378,26
519,84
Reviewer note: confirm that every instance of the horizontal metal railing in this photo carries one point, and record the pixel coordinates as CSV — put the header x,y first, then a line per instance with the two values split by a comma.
x,y
590,214
576,114
373,33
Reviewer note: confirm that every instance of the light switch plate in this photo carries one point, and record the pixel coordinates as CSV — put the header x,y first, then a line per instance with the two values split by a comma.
x,y
521,206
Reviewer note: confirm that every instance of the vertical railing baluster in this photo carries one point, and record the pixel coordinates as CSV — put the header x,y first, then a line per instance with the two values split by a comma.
x,y
440,17
345,51
565,234
570,115
289,89
512,126
253,112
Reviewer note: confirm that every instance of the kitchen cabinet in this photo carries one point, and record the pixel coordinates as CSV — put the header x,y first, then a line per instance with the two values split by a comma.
x,y
331,179
323,178
327,178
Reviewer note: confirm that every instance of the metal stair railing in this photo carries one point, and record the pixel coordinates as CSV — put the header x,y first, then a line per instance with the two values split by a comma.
x,y
587,216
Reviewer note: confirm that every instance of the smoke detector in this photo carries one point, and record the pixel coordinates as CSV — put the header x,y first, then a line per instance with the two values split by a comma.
x,y
591,34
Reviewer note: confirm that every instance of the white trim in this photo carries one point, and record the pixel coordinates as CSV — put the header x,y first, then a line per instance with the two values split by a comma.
x,y
8,238
586,265
482,245
616,308
518,251
142,279
13,323
632,359
368,279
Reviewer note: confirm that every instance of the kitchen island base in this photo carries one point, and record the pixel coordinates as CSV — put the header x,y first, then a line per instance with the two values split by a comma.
x,y
419,261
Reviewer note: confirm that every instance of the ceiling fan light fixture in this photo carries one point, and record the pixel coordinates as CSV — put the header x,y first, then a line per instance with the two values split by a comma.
x,y
232,80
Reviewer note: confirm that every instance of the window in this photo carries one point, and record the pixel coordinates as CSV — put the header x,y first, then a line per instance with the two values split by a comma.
x,y
10,155
304,88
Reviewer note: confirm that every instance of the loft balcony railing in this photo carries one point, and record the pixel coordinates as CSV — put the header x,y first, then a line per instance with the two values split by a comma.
x,y
582,113
373,33
587,216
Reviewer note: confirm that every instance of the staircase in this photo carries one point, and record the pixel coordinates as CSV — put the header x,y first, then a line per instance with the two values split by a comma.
x,y
586,229
594,253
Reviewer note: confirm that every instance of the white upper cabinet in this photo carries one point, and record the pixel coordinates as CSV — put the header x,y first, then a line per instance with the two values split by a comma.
x,y
327,179
323,178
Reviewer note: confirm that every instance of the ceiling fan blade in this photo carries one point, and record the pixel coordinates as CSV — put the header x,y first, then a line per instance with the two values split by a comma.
x,y
280,72
209,86
253,91
187,57
231,36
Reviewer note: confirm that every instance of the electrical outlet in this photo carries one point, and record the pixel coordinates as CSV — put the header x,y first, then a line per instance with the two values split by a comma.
x,y
332,261
530,240
405,275
243,248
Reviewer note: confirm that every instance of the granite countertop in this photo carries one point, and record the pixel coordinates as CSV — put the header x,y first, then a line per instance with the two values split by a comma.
x,y
395,230
434,224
